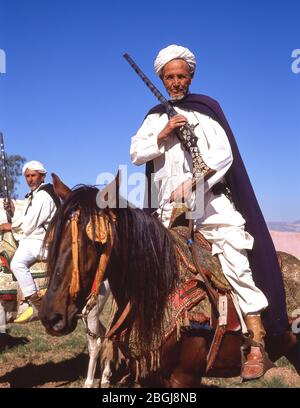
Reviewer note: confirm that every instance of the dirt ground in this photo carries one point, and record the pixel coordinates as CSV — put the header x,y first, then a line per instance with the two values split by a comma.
x,y
44,361
61,362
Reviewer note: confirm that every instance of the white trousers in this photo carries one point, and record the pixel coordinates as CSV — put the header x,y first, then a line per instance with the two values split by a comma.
x,y
237,270
28,251
224,227
230,243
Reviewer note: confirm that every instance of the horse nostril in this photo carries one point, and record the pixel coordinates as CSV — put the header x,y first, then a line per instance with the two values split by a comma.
x,y
55,319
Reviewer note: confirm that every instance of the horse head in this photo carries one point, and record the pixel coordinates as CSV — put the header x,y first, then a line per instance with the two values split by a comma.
x,y
87,241
78,240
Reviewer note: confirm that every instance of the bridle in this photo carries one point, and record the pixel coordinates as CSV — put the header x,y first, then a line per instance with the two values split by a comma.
x,y
102,233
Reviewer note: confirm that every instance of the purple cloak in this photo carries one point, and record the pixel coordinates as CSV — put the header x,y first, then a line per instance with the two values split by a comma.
x,y
263,259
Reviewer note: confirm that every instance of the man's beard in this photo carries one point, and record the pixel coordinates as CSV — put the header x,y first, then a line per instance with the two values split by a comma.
x,y
179,97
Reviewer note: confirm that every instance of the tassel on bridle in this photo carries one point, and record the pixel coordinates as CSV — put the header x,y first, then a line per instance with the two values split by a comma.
x,y
74,286
104,235
103,261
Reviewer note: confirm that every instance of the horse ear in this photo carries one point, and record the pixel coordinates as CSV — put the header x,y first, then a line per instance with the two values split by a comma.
x,y
59,187
116,183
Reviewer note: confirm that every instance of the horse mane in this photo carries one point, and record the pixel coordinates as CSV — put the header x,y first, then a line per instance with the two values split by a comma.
x,y
148,269
144,251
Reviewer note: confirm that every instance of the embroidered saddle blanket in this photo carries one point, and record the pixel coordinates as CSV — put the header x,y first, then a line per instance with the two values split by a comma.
x,y
188,304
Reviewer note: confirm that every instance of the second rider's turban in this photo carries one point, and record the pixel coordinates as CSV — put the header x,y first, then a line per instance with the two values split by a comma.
x,y
34,165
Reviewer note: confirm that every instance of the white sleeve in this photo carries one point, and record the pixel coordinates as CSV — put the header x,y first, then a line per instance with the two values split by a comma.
x,y
144,145
216,151
42,209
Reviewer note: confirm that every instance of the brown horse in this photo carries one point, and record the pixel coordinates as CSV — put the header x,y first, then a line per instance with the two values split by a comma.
x,y
136,253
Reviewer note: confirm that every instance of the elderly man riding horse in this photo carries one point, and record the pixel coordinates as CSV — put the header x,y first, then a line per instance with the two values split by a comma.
x,y
232,220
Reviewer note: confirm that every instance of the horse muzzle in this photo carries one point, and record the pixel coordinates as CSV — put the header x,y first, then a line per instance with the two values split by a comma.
x,y
58,324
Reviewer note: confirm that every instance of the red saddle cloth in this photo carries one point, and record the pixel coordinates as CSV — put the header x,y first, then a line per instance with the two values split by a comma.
x,y
8,290
4,263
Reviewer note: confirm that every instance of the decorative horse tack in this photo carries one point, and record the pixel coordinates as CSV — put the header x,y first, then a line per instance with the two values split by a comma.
x,y
100,229
74,286
157,273
103,234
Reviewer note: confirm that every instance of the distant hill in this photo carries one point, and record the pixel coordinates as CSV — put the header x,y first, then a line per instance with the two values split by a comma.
x,y
284,226
286,236
287,241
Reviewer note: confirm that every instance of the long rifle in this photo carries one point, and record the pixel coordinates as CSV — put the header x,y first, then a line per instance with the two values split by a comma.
x,y
4,176
185,134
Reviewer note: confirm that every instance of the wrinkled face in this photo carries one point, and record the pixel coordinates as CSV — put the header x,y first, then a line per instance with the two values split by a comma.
x,y
59,311
177,78
34,178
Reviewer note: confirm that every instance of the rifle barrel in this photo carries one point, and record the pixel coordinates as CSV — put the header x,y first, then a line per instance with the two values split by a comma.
x,y
169,108
4,176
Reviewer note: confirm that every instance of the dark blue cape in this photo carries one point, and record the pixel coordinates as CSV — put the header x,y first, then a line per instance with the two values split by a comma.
x,y
263,259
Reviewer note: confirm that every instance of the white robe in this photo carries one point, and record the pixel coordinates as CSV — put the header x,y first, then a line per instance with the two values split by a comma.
x,y
220,222
31,229
37,212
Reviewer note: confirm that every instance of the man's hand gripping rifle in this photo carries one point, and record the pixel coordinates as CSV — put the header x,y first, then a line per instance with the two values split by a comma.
x,y
185,133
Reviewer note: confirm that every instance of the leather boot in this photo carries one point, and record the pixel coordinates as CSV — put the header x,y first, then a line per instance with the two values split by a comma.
x,y
257,362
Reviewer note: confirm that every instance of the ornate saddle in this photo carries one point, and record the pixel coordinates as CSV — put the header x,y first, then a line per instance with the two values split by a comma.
x,y
189,308
206,268
209,265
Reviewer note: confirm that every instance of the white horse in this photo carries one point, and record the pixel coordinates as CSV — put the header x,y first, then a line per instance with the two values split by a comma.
x,y
95,329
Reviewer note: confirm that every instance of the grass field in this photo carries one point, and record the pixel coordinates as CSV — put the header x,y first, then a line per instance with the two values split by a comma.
x,y
51,362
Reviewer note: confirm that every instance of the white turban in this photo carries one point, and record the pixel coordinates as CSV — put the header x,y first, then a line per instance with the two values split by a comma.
x,y
174,52
34,165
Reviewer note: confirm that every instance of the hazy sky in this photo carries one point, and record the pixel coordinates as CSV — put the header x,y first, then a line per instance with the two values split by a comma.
x,y
70,100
